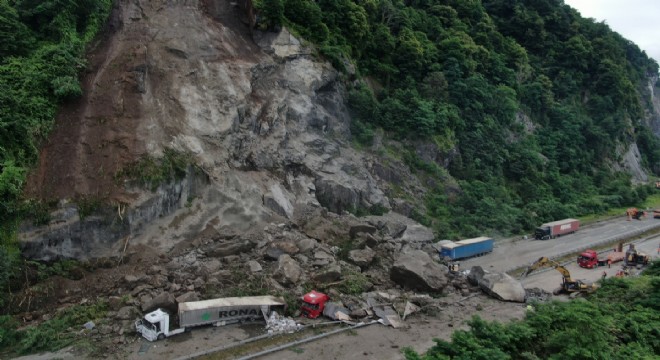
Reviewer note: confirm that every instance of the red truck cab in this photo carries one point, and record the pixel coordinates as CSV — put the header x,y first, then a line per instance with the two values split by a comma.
x,y
588,259
313,304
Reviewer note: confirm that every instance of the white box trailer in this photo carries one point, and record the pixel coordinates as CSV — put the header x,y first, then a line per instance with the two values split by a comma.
x,y
218,312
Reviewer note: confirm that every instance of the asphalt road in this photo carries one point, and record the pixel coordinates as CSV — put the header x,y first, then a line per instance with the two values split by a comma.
x,y
551,279
511,254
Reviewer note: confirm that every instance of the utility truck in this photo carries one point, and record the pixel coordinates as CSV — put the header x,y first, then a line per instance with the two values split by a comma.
x,y
218,312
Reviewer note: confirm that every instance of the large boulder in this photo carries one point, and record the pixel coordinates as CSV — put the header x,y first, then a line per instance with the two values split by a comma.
x,y
361,228
503,287
416,270
361,258
417,234
229,248
330,273
163,300
475,275
335,196
288,272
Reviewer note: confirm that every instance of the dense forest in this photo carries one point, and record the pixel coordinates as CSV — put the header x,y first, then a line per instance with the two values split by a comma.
x,y
535,98
619,321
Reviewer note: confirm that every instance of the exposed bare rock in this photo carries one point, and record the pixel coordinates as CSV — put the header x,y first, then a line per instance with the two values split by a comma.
x,y
158,281
279,200
163,300
361,258
289,247
187,297
503,287
273,253
229,248
211,266
417,234
336,197
476,274
287,272
127,313
254,266
361,228
306,245
330,273
416,270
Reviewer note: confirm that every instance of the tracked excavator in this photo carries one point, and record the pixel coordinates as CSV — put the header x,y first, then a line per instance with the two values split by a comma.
x,y
568,285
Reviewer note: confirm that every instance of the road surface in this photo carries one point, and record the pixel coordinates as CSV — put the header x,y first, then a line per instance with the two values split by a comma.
x,y
509,255
550,280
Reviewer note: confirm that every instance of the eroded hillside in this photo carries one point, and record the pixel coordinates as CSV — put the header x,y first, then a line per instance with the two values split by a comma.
x,y
262,118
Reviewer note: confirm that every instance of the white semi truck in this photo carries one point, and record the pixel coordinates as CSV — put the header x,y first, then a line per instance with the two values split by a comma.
x,y
218,312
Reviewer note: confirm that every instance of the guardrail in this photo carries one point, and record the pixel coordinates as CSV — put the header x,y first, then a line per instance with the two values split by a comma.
x,y
613,239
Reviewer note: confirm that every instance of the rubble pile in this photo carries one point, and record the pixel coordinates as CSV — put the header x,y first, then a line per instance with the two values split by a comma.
x,y
277,323
537,295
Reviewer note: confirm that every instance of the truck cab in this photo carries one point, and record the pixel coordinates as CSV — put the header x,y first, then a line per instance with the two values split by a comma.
x,y
155,326
542,233
588,259
313,304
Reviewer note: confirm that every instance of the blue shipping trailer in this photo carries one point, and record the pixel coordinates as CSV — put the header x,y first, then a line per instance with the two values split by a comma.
x,y
467,248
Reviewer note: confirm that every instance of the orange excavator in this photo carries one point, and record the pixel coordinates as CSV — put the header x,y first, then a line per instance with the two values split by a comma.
x,y
634,213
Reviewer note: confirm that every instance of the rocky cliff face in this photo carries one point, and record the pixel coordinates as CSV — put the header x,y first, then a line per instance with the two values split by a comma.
x,y
263,117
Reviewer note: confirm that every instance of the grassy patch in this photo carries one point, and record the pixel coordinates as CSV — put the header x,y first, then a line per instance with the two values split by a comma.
x,y
354,283
151,172
61,331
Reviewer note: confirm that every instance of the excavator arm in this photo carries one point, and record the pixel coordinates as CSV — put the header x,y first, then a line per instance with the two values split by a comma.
x,y
544,261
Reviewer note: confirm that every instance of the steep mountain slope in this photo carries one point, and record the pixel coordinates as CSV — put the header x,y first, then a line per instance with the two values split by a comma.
x,y
265,126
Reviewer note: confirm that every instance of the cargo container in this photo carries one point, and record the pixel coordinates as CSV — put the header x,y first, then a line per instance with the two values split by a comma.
x,y
467,248
156,324
556,228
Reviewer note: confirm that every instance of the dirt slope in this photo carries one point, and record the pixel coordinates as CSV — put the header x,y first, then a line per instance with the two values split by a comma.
x,y
156,62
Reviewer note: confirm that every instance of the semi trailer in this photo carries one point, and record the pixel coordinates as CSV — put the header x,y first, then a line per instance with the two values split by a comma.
x,y
556,228
218,312
466,248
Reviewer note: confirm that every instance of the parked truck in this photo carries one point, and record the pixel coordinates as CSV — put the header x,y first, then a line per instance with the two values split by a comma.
x,y
313,304
589,259
556,228
218,312
466,248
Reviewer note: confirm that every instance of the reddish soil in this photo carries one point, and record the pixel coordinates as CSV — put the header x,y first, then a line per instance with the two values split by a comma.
x,y
94,136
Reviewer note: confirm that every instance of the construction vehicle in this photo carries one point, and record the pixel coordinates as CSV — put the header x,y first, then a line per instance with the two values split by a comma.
x,y
634,213
218,312
635,258
556,228
589,259
568,285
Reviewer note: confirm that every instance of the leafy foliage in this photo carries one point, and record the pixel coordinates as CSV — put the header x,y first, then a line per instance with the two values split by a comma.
x,y
536,99
50,335
152,172
42,47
